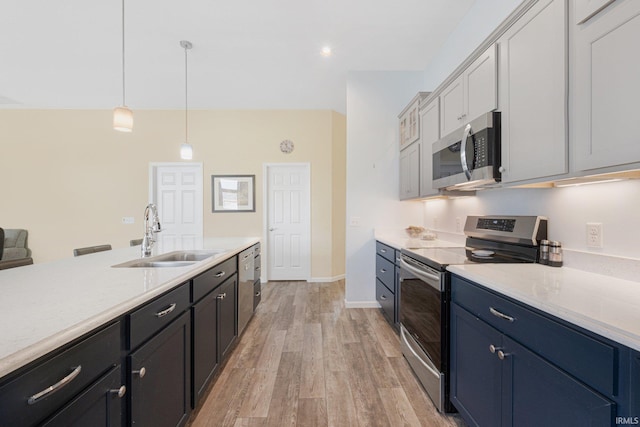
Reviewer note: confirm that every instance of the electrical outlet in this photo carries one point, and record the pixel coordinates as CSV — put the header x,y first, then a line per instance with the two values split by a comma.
x,y
355,221
594,235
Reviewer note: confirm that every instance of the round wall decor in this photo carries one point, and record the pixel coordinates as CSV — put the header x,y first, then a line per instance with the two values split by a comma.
x,y
286,146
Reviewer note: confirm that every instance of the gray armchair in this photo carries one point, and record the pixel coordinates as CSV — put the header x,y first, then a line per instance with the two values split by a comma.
x,y
14,251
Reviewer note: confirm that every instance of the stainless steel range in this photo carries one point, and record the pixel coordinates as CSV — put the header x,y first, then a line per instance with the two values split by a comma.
x,y
425,291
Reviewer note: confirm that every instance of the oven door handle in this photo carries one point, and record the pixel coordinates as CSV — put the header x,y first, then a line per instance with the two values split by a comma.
x,y
463,151
423,275
430,366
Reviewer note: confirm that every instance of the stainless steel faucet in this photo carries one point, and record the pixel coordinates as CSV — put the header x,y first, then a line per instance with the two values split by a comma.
x,y
151,227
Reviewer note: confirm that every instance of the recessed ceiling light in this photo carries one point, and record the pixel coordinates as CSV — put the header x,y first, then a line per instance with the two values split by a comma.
x,y
326,51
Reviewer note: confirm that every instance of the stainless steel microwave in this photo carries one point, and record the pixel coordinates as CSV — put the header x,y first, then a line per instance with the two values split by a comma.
x,y
469,158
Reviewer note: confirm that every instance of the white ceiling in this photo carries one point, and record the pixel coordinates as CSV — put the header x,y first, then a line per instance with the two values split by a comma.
x,y
257,54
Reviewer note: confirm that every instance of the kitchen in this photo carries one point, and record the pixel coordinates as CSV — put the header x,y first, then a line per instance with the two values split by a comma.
x,y
613,205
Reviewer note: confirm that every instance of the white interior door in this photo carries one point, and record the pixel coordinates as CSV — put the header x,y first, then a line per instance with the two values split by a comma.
x,y
288,222
177,192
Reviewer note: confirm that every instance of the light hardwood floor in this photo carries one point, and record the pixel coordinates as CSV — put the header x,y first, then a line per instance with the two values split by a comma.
x,y
305,360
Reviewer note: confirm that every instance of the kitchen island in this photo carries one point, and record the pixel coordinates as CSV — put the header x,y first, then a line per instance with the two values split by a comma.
x,y
44,306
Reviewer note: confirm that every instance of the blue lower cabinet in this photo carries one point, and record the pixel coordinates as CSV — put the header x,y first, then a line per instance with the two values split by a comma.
x,y
633,415
536,393
501,380
476,386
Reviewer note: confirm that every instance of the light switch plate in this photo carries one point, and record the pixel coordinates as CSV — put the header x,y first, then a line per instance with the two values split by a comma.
x,y
128,220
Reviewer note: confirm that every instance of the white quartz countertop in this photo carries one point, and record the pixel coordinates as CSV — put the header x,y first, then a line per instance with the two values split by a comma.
x,y
602,304
44,306
400,242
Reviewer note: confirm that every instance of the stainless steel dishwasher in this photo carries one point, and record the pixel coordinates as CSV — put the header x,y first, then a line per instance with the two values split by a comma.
x,y
245,287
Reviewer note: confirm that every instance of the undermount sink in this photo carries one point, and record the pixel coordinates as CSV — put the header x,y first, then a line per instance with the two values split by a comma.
x,y
171,259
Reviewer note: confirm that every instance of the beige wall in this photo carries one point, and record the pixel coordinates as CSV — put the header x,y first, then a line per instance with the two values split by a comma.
x,y
69,178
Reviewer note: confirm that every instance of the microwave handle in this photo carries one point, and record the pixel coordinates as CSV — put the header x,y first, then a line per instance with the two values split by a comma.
x,y
463,151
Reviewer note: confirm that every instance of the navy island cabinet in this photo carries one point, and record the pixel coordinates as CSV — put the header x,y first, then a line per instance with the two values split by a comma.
x,y
512,365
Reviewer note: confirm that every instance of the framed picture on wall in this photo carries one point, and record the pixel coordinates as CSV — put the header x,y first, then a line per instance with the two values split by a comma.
x,y
233,193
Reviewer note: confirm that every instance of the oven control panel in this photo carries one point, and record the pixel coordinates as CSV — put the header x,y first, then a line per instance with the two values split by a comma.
x,y
496,224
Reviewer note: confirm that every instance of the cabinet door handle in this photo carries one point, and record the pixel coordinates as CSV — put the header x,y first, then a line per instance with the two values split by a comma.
x,y
166,311
502,355
220,274
141,372
383,297
382,270
222,296
383,251
501,315
120,392
57,386
257,294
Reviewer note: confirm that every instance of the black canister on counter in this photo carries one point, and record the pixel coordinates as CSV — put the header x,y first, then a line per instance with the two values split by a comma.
x,y
555,254
544,252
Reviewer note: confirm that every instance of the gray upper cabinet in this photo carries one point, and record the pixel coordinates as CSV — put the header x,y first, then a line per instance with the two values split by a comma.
x,y
472,94
408,121
533,93
410,172
606,87
430,133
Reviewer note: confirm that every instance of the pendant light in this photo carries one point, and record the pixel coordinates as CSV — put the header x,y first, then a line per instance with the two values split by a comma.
x,y
186,150
123,116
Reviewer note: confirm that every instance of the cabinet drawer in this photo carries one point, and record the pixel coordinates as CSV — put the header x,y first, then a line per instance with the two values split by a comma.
x,y
149,319
67,373
99,405
386,272
210,279
386,299
386,251
582,354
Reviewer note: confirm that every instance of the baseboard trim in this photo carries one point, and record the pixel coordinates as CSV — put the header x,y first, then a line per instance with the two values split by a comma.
x,y
326,279
361,304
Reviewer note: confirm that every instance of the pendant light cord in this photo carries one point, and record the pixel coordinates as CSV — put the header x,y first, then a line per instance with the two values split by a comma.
x,y
123,74
186,99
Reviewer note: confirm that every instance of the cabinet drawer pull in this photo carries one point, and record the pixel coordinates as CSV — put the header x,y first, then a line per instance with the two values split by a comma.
x,y
57,386
246,256
258,268
501,315
258,294
383,251
222,296
220,274
141,372
383,297
502,355
382,270
166,311
120,392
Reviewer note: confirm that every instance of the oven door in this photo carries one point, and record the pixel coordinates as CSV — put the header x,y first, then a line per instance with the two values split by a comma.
x,y
421,295
421,310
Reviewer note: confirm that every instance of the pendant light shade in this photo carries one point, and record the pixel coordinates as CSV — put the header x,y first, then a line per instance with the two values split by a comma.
x,y
186,150
122,119
123,116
